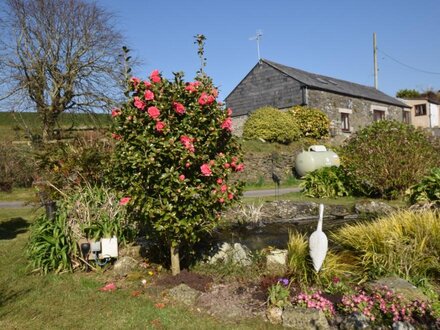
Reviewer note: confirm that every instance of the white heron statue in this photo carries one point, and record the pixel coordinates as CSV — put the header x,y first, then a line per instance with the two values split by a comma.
x,y
318,243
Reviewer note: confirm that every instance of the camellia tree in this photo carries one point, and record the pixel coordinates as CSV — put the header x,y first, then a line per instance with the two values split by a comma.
x,y
174,156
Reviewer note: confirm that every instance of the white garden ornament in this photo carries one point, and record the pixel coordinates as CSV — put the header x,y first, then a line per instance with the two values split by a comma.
x,y
318,243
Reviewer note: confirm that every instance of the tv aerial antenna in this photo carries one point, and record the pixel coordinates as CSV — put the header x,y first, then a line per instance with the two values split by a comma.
x,y
257,37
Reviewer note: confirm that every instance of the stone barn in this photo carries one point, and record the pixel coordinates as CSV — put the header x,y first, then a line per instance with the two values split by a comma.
x,y
348,105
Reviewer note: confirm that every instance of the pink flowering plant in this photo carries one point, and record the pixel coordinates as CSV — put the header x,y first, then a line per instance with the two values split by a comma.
x,y
315,300
173,147
383,306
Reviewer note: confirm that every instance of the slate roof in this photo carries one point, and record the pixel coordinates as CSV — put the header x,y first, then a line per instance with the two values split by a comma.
x,y
316,81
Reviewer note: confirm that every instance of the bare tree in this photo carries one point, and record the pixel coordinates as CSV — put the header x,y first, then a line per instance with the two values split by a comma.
x,y
57,56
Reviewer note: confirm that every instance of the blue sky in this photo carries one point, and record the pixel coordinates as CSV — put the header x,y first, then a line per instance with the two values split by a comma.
x,y
332,38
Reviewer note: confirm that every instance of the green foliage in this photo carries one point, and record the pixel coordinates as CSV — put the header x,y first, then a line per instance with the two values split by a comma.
x,y
406,244
326,182
388,157
66,165
427,190
271,125
87,212
51,246
95,212
407,93
16,166
174,156
279,295
312,123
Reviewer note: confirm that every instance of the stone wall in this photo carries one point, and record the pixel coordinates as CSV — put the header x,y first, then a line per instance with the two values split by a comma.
x,y
238,124
259,166
361,110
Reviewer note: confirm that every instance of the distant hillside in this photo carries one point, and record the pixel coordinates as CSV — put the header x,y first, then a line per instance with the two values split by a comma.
x,y
12,125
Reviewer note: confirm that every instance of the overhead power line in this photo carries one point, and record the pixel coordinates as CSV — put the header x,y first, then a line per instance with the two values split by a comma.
x,y
406,65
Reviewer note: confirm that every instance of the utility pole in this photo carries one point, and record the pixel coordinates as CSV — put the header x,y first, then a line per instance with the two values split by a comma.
x,y
375,60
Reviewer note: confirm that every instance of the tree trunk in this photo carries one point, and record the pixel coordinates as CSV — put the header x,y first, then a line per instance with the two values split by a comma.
x,y
175,261
49,120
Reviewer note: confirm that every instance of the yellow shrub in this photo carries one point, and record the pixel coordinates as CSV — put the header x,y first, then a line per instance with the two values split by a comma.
x,y
312,123
271,125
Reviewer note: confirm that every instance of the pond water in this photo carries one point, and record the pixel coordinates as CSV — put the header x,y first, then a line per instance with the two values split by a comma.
x,y
257,237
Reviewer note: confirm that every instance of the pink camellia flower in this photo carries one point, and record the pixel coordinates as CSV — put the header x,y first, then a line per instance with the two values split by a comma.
x,y
221,200
179,108
227,165
124,200
190,87
227,124
149,95
153,112
116,136
229,112
230,196
206,99
155,77
224,188
188,164
206,170
181,177
239,167
211,99
138,103
219,181
116,112
147,84
160,125
187,142
135,81
214,92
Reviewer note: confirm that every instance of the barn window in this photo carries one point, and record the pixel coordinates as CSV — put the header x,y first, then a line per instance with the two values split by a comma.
x,y
420,109
345,122
378,115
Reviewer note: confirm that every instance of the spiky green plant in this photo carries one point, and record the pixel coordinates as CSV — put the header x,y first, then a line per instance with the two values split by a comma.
x,y
51,246
406,244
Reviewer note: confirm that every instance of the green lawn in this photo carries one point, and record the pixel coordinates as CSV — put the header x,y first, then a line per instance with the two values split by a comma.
x,y
299,197
12,125
19,194
73,301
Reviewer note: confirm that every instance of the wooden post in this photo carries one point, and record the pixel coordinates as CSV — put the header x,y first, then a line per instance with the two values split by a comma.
x,y
175,261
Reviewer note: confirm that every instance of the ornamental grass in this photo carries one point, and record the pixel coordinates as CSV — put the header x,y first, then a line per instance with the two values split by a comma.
x,y
406,244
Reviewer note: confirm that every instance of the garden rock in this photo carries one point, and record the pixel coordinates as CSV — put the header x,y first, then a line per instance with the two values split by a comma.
x,y
288,210
274,314
402,287
355,321
133,251
304,319
184,294
373,208
276,261
237,254
402,326
124,265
